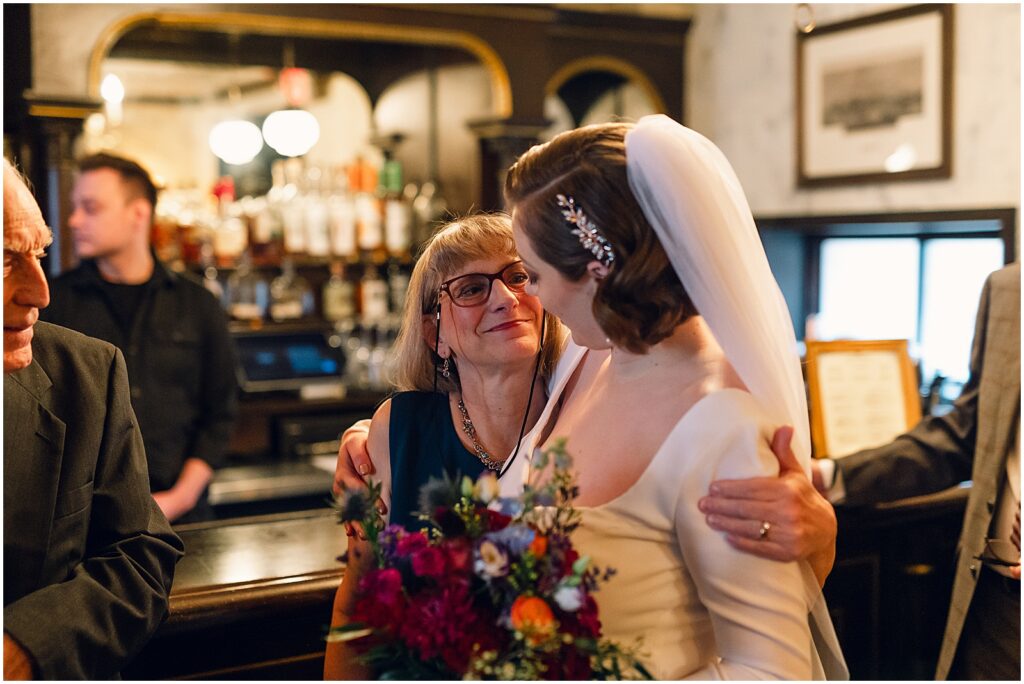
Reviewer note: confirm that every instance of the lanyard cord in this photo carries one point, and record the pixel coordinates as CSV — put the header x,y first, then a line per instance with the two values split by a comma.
x,y
437,339
529,401
533,381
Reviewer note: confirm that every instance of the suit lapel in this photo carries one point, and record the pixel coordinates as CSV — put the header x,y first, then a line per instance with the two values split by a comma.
x,y
33,448
1002,415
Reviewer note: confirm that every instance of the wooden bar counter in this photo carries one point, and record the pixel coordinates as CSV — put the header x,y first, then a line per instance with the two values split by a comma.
x,y
251,600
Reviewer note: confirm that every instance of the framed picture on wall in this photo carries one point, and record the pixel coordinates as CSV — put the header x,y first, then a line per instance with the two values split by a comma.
x,y
862,394
875,97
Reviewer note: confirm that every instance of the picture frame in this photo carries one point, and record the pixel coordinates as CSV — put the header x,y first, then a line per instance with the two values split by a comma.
x,y
874,98
863,393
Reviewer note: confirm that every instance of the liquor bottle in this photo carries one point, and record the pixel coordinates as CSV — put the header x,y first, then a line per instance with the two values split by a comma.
x,y
248,292
291,297
164,233
315,215
429,207
260,222
369,228
230,234
270,220
339,302
397,213
210,277
398,285
342,217
373,297
292,214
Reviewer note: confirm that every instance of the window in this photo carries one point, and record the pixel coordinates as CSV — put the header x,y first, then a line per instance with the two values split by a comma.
x,y
885,277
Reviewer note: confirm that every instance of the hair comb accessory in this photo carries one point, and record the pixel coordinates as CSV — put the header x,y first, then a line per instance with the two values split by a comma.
x,y
589,236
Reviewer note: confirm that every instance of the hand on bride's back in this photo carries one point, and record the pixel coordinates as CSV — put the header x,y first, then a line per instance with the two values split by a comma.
x,y
783,518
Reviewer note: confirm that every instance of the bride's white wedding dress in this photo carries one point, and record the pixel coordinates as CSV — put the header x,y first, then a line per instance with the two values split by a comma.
x,y
702,609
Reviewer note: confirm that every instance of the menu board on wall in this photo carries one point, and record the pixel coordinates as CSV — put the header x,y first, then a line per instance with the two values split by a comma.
x,y
863,394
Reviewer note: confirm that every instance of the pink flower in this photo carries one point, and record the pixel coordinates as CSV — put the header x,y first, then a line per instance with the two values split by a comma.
x,y
446,623
428,562
411,543
381,600
459,554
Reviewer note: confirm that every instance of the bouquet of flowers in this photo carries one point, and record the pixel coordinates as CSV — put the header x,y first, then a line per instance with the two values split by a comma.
x,y
491,589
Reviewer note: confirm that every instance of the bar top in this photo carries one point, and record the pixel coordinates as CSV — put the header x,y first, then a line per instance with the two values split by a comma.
x,y
249,564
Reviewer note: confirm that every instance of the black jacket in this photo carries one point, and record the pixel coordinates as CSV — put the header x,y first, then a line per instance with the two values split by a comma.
x,y
88,556
181,362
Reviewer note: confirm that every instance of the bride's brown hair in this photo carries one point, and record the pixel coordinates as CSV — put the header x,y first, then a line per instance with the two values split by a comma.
x,y
641,301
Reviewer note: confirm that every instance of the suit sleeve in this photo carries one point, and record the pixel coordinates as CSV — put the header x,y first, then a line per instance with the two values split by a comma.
x,y
937,453
220,389
93,623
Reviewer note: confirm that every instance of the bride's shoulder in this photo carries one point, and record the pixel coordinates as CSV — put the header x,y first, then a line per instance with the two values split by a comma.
x,y
728,434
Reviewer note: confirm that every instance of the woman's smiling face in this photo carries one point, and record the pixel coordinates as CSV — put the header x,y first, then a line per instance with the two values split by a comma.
x,y
502,329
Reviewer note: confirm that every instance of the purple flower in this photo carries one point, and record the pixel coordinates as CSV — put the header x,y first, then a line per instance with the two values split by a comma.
x,y
388,540
515,538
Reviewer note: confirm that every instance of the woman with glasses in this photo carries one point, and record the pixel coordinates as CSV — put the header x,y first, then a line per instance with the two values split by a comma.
x,y
471,376
469,372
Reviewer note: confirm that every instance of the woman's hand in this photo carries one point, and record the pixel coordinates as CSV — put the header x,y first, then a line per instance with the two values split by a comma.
x,y
782,518
354,462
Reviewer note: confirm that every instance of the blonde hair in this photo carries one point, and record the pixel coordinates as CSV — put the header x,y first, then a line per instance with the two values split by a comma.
x,y
481,236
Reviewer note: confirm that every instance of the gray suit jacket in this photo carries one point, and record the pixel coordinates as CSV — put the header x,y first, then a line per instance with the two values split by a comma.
x,y
88,556
970,442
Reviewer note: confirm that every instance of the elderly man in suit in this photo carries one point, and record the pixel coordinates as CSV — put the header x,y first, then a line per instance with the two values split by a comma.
x,y
978,440
88,556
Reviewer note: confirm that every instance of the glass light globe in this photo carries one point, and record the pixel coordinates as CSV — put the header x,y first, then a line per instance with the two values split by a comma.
x,y
111,89
236,142
291,132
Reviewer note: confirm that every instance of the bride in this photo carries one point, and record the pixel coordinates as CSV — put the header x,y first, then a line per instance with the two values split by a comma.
x,y
640,240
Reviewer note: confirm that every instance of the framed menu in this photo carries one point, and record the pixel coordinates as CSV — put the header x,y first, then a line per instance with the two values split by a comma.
x,y
863,394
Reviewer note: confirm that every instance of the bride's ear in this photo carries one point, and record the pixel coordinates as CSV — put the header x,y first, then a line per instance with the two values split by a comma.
x,y
597,270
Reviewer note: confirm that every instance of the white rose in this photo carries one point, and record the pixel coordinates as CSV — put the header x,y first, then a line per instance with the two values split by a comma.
x,y
569,599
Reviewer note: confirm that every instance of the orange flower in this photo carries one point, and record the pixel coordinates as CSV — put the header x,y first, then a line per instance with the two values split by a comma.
x,y
539,546
533,617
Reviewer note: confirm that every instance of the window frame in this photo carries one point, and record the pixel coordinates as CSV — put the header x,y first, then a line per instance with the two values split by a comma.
x,y
922,225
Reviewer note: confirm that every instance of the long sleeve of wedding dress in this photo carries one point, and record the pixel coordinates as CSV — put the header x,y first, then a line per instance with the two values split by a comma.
x,y
700,609
757,607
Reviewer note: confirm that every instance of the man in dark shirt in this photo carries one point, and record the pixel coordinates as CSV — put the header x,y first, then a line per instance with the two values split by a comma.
x,y
172,331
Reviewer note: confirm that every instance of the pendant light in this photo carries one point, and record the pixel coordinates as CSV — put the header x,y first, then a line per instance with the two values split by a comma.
x,y
292,131
235,141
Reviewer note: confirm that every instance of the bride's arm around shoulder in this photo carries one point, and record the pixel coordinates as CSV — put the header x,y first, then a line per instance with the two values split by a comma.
x,y
758,607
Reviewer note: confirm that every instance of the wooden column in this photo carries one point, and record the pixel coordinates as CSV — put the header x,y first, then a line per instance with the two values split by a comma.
x,y
501,143
54,126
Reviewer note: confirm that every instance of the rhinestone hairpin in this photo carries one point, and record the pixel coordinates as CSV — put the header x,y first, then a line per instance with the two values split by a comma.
x,y
587,233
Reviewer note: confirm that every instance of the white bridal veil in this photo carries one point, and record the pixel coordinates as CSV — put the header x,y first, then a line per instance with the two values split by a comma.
x,y
693,199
